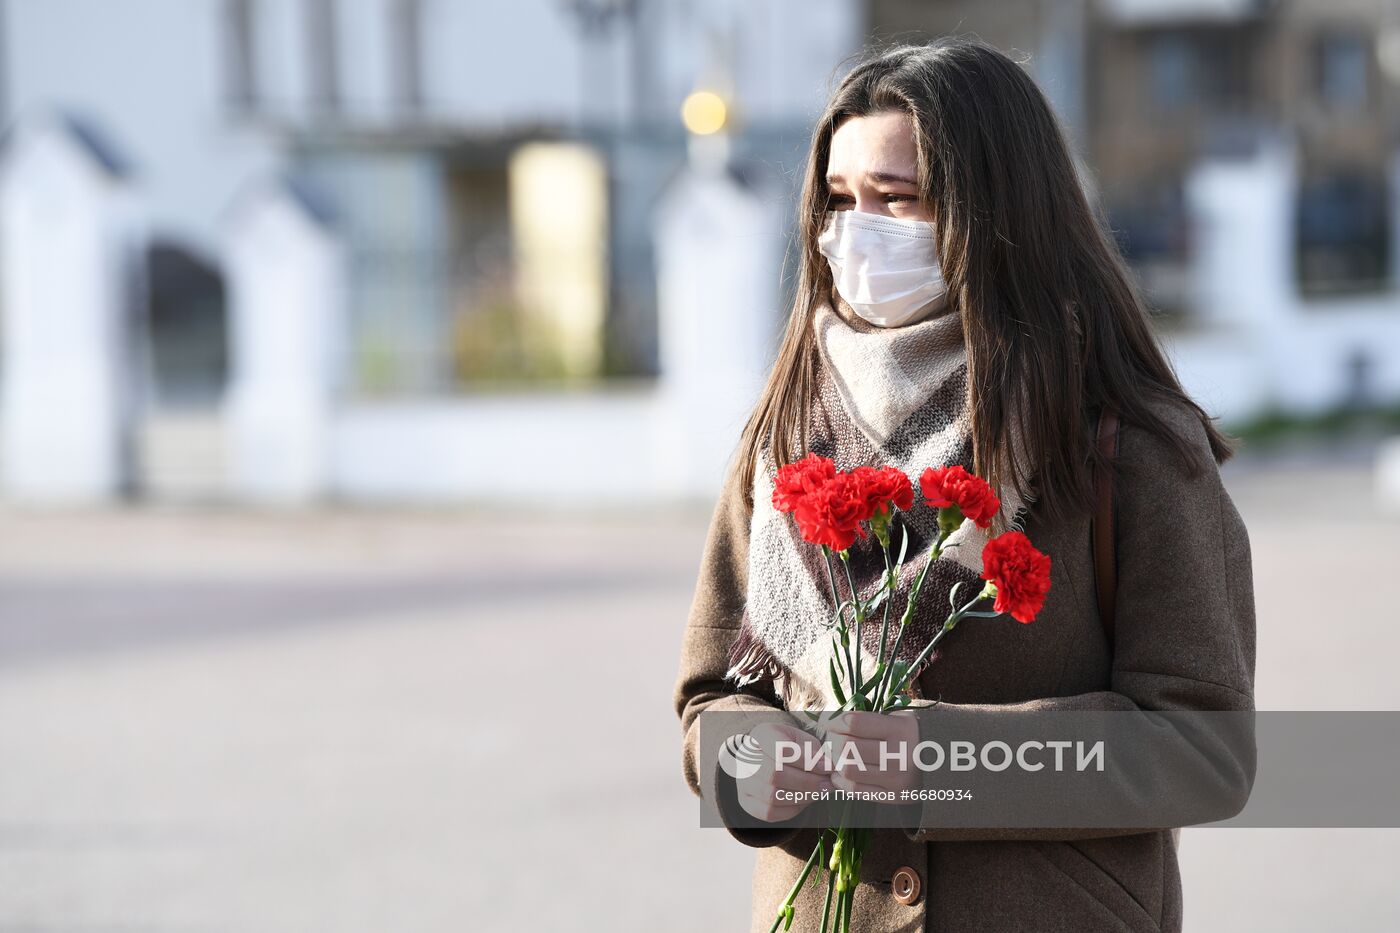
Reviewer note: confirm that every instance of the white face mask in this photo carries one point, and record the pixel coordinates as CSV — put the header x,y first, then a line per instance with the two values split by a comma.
x,y
886,268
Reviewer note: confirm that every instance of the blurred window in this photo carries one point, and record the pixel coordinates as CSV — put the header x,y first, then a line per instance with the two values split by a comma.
x,y
1342,231
1223,71
1171,61
1199,69
1342,69
1149,224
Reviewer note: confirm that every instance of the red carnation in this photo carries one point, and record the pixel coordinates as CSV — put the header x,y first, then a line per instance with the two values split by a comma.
x,y
797,480
832,514
884,487
1020,573
954,486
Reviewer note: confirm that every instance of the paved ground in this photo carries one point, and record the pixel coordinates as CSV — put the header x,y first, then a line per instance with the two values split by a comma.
x,y
260,722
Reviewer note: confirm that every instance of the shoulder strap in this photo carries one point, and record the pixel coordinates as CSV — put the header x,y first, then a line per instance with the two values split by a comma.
x,y
1101,532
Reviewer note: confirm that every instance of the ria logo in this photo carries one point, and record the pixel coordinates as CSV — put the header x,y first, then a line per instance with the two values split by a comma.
x,y
740,756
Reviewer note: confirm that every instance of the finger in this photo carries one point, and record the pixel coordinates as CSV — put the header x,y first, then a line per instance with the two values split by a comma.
x,y
883,780
766,808
850,786
809,750
774,731
877,755
853,749
790,778
868,724
815,757
760,788
769,814
810,755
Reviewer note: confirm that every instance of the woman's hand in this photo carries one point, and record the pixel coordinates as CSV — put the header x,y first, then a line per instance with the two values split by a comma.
x,y
759,794
866,730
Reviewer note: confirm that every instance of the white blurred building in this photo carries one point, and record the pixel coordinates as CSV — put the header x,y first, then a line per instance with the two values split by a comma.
x,y
494,182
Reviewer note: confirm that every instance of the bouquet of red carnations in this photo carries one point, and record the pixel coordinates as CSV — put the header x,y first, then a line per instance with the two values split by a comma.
x,y
832,508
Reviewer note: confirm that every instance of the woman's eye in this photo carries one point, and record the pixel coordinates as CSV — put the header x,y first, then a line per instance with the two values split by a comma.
x,y
889,199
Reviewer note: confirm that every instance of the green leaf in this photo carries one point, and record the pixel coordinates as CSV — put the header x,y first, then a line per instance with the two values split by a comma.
x,y
836,683
903,545
874,678
897,671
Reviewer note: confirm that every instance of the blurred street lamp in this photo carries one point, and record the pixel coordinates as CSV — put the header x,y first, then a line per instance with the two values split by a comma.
x,y
706,117
704,112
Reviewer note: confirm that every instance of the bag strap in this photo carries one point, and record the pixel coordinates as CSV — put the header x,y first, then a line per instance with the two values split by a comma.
x,y
1101,532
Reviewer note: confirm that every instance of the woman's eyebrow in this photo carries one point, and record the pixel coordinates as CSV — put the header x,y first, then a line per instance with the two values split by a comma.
x,y
881,177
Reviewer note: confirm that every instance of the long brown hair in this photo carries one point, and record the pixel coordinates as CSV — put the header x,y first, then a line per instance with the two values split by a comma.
x,y
1053,324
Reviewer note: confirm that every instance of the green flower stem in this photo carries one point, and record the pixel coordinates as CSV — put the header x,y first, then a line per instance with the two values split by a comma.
x,y
860,614
883,693
831,574
885,625
836,598
859,839
826,905
904,678
797,886
848,846
947,627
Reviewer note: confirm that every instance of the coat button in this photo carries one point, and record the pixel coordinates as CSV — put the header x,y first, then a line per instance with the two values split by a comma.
x,y
906,885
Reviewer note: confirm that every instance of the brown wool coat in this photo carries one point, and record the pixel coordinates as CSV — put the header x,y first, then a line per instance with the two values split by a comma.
x,y
1184,640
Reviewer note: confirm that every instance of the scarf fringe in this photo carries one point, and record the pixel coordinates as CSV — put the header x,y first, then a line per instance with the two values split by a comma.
x,y
750,660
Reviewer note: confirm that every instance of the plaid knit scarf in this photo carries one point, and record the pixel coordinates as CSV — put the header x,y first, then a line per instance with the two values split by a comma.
x,y
885,396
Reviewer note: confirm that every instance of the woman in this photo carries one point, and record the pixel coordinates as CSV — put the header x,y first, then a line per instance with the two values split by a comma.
x,y
959,302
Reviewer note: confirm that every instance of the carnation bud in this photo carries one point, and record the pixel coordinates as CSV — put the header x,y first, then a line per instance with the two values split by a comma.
x,y
880,524
950,519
